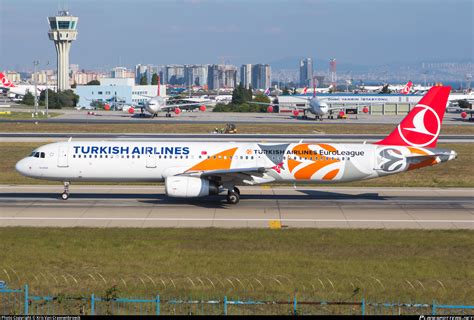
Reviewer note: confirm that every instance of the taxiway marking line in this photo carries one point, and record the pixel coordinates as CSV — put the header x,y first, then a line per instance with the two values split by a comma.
x,y
233,219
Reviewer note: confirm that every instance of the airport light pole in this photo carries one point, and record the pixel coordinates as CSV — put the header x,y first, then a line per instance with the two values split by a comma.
x,y
46,102
35,63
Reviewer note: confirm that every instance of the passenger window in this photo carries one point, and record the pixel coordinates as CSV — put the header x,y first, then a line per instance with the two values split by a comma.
x,y
73,155
246,157
42,155
95,156
78,155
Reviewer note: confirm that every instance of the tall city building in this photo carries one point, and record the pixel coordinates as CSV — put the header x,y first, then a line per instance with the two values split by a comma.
x,y
222,76
174,74
63,30
306,72
246,75
196,75
261,76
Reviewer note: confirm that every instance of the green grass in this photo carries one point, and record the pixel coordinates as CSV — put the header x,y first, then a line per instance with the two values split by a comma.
x,y
451,174
25,116
386,265
263,128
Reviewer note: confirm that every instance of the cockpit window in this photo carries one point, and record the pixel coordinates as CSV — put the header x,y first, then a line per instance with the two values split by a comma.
x,y
38,154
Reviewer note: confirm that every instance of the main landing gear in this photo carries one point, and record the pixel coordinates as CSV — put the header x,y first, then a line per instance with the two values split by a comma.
x,y
168,115
233,196
65,194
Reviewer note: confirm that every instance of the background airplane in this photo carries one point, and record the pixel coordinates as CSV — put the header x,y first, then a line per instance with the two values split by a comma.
x,y
155,105
17,92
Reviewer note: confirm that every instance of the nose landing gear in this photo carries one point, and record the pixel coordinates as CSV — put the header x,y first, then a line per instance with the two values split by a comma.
x,y
65,194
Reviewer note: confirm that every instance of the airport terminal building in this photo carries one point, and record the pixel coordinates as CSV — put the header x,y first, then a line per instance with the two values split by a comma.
x,y
377,103
119,89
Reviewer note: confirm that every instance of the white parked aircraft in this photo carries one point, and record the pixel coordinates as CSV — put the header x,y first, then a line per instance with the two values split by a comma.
x,y
198,169
18,91
158,104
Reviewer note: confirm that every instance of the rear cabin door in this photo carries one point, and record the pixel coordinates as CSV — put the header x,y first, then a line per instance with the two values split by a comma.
x,y
63,156
151,160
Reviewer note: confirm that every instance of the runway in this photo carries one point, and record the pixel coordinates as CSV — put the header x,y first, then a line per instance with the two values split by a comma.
x,y
260,207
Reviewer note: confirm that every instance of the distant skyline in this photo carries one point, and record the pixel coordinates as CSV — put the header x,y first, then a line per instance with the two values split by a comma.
x,y
125,33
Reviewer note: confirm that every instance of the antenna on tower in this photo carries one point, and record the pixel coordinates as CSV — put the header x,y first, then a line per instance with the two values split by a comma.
x,y
332,65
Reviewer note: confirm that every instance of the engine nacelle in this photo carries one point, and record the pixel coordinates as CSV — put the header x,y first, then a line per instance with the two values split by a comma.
x,y
189,187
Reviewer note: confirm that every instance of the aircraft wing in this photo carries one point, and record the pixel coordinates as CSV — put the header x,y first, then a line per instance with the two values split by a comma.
x,y
277,104
237,175
185,105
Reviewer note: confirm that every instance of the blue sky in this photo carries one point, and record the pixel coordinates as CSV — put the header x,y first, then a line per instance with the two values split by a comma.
x,y
118,32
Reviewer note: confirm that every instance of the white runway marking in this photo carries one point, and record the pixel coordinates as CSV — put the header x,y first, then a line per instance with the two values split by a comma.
x,y
233,219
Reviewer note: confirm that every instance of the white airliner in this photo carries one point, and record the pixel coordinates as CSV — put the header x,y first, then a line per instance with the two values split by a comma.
x,y
18,91
198,169
158,104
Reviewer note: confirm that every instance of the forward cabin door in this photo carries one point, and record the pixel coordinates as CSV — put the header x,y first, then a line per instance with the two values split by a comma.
x,y
63,156
151,160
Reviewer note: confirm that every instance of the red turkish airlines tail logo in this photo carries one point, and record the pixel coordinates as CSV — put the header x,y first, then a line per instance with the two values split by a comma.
x,y
407,88
421,127
5,82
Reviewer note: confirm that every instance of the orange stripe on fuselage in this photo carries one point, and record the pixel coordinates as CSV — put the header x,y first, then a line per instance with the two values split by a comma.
x,y
417,151
424,163
221,160
331,174
307,172
292,164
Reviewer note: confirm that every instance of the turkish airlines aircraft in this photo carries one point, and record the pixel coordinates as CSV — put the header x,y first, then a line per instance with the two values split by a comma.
x,y
19,90
198,169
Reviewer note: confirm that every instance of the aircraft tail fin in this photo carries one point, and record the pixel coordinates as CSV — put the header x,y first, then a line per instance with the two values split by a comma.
x,y
5,81
422,125
407,88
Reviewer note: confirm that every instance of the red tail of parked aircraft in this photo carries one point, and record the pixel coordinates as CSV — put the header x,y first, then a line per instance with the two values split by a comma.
x,y
5,81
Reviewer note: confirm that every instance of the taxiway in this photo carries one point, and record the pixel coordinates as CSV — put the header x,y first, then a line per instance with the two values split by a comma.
x,y
260,207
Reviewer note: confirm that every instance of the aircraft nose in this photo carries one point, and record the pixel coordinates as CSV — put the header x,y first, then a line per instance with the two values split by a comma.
x,y
23,167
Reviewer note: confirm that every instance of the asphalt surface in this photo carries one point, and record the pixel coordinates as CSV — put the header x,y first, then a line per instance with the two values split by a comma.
x,y
73,116
260,207
33,136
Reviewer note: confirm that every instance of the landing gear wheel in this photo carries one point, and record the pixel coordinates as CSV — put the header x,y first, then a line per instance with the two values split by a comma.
x,y
237,190
168,115
65,194
233,197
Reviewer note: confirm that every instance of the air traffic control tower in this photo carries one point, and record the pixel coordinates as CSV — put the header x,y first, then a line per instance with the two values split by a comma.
x,y
63,31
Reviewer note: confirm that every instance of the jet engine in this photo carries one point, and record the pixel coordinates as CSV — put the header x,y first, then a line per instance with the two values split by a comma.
x,y
187,187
